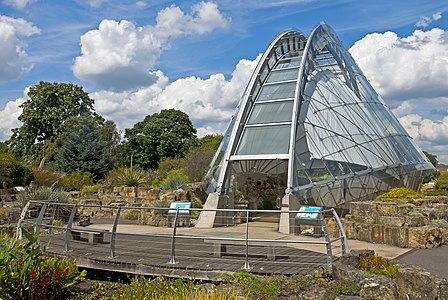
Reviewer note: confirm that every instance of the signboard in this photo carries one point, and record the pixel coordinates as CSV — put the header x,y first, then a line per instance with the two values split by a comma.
x,y
308,212
183,208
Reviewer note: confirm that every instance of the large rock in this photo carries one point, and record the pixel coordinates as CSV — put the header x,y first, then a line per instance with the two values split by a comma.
x,y
387,209
391,221
364,209
416,283
424,237
396,236
379,288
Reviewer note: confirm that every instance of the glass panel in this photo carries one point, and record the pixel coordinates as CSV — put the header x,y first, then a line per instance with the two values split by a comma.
x,y
271,112
277,91
289,63
265,140
283,75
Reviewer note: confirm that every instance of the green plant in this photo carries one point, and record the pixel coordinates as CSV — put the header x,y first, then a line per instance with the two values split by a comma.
x,y
76,180
89,189
402,192
378,265
26,273
57,222
442,182
42,193
320,277
159,288
131,214
161,204
128,176
438,192
347,288
44,177
174,180
239,278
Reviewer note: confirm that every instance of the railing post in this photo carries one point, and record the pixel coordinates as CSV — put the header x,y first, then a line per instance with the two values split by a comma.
x,y
344,242
173,240
53,212
68,231
246,262
22,217
327,239
40,218
113,234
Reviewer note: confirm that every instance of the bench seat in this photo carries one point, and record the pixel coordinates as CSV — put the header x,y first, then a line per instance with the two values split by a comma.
x,y
95,236
220,246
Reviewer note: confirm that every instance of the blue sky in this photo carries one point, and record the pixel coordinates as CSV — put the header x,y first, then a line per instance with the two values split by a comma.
x,y
137,57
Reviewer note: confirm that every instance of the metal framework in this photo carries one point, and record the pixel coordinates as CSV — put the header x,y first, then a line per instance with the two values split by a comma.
x,y
310,119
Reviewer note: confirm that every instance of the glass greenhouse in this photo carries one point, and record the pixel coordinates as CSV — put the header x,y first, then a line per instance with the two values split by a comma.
x,y
310,125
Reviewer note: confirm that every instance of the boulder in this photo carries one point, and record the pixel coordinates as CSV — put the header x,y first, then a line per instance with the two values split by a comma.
x,y
387,209
424,237
416,283
379,288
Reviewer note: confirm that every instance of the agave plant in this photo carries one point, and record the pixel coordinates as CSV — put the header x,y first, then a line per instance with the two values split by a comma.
x,y
127,176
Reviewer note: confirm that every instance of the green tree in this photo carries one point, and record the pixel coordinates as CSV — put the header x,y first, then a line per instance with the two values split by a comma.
x,y
169,133
48,107
83,149
433,160
442,182
12,171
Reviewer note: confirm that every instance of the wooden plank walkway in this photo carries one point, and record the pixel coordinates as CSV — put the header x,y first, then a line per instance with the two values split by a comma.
x,y
150,255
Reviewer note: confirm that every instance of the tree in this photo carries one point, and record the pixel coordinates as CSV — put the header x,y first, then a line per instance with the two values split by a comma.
x,y
167,134
12,171
433,160
48,107
83,150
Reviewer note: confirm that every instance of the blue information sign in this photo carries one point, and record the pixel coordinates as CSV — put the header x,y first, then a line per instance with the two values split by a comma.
x,y
308,212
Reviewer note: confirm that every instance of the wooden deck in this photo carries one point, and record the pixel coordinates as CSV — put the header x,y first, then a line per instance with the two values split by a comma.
x,y
150,255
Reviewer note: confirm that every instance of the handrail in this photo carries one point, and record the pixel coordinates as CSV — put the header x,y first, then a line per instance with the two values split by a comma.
x,y
245,239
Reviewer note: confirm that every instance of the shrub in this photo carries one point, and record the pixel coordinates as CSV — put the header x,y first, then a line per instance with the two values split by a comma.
x,y
402,192
161,204
378,265
12,171
128,177
439,192
45,177
158,288
131,214
76,180
27,274
89,189
174,180
42,193
442,182
347,288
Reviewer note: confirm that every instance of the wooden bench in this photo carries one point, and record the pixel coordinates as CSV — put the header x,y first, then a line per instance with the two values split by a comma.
x,y
95,236
220,246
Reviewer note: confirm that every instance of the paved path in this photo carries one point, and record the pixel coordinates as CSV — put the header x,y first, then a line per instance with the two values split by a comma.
x,y
434,260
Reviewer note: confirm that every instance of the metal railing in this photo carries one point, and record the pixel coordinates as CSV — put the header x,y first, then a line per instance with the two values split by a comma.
x,y
245,231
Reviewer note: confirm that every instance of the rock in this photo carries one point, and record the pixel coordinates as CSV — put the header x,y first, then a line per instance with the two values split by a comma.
x,y
343,272
404,209
396,236
415,282
424,237
379,288
392,221
387,209
364,209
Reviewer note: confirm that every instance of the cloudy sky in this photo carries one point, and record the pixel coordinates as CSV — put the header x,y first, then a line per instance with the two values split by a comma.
x,y
138,57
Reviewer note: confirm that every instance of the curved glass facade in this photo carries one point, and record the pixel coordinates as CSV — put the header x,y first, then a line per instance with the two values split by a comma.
x,y
310,122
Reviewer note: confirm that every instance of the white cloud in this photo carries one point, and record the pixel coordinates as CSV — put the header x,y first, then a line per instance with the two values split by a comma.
x,y
18,3
141,4
430,135
405,108
9,116
94,3
209,102
119,55
425,20
12,54
410,67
